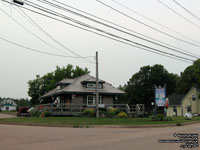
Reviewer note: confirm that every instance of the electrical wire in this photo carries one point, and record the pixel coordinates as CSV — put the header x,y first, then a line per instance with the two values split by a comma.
x,y
178,14
100,30
42,30
96,21
187,10
153,28
155,22
29,30
38,51
181,59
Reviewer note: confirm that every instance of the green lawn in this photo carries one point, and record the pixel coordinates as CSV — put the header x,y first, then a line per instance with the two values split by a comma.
x,y
76,121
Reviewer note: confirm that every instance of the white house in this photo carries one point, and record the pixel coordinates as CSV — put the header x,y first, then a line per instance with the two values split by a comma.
x,y
8,105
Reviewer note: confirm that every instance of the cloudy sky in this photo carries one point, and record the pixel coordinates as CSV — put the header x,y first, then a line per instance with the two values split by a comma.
x,y
117,61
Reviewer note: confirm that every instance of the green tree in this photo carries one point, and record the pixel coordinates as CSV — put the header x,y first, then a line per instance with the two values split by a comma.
x,y
189,78
22,102
42,85
140,88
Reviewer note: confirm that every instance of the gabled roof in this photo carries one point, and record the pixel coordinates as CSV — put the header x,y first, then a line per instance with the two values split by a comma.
x,y
175,99
76,87
7,102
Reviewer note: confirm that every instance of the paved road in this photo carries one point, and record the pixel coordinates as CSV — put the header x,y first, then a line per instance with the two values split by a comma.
x,y
14,137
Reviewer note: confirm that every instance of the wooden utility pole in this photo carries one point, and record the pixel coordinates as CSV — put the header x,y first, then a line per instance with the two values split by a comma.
x,y
97,86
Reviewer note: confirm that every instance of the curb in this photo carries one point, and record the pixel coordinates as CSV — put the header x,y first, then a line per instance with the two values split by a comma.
x,y
100,126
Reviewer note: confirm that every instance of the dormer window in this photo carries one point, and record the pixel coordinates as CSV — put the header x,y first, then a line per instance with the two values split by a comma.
x,y
58,87
93,85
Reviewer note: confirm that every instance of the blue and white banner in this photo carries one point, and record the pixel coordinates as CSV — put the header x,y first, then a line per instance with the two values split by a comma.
x,y
160,96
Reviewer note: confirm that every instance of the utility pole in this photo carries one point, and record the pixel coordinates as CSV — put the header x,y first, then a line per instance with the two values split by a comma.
x,y
97,87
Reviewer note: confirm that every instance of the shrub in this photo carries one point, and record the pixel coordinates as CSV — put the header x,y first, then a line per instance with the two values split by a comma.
x,y
113,110
122,115
167,119
110,114
102,112
89,112
47,114
35,113
158,117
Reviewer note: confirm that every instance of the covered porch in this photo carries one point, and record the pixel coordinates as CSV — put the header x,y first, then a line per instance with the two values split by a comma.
x,y
63,109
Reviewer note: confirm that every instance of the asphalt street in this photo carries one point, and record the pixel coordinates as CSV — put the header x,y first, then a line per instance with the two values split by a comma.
x,y
15,137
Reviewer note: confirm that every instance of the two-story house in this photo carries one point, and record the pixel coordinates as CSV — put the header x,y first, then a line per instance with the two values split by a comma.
x,y
8,104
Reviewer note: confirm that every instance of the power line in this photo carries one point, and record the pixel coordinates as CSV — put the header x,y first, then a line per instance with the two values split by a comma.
x,y
43,31
128,8
195,16
99,30
29,30
178,14
159,52
48,44
38,51
96,21
162,32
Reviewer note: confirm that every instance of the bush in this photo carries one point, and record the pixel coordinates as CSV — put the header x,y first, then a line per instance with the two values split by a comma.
x,y
122,115
167,119
158,117
47,114
102,112
89,112
112,112
35,113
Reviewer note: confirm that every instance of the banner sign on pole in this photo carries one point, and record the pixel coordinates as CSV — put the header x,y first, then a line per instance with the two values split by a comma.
x,y
160,96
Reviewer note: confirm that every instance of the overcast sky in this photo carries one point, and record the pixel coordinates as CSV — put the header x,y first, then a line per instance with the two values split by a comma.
x,y
117,61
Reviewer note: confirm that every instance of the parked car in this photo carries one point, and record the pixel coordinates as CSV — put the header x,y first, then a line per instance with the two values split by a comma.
x,y
23,111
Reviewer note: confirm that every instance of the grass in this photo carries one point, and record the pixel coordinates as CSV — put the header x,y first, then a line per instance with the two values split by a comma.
x,y
86,121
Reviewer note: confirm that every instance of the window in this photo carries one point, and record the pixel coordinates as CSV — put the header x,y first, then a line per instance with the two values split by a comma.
x,y
93,85
91,100
188,108
193,97
58,87
174,109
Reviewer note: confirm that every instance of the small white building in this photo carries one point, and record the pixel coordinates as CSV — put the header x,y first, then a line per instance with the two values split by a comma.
x,y
8,105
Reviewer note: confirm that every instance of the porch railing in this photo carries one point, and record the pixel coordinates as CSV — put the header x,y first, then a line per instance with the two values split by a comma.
x,y
70,109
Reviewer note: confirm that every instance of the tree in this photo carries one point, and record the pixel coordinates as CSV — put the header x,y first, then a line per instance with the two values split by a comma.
x,y
44,84
190,78
22,102
140,88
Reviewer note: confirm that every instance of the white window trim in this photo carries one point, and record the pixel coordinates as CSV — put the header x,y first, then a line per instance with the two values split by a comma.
x,y
58,87
93,85
94,100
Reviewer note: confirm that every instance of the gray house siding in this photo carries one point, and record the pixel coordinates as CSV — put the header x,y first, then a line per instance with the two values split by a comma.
x,y
82,99
77,100
107,99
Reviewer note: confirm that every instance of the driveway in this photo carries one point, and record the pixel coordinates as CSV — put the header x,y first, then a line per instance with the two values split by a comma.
x,y
6,116
60,138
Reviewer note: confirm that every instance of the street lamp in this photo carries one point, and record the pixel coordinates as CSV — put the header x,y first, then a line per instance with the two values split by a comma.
x,y
152,104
